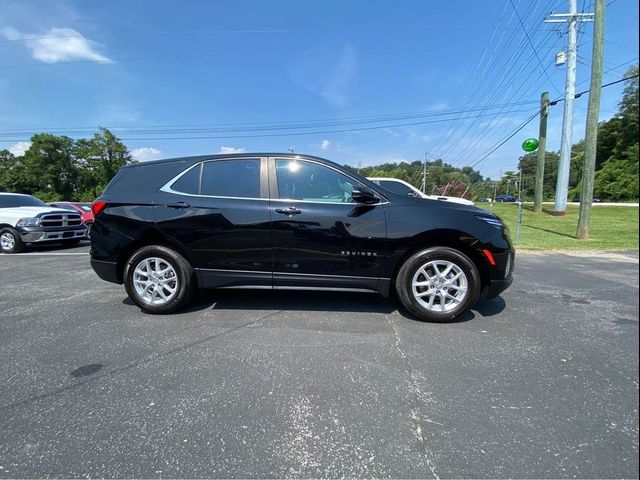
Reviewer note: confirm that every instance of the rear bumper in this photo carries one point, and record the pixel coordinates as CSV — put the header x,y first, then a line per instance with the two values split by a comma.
x,y
107,271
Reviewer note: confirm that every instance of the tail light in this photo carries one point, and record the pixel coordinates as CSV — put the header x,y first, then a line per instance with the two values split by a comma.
x,y
97,207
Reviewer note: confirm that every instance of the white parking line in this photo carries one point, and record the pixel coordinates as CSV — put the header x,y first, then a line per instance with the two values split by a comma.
x,y
44,254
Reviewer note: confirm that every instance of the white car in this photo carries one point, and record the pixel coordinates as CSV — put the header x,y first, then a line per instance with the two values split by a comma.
x,y
396,185
26,219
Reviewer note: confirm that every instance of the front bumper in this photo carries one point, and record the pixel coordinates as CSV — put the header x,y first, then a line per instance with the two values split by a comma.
x,y
37,234
501,274
496,287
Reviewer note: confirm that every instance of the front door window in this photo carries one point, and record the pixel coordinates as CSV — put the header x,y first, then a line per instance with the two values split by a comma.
x,y
311,182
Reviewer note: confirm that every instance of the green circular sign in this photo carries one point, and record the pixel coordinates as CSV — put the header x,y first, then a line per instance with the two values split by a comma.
x,y
530,144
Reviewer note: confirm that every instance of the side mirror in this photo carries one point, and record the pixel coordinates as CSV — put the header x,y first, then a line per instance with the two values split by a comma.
x,y
362,194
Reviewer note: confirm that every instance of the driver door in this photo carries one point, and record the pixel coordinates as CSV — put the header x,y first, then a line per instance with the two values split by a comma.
x,y
321,236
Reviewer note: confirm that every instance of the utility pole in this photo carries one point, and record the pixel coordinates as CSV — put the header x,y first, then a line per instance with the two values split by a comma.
x,y
542,146
591,134
572,18
424,173
520,186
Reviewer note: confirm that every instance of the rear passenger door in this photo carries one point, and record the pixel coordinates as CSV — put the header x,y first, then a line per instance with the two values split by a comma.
x,y
219,211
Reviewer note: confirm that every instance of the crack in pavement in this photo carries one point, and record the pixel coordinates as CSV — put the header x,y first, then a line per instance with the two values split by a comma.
x,y
415,390
145,361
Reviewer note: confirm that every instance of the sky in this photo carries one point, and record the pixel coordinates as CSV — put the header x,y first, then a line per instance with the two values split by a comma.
x,y
357,82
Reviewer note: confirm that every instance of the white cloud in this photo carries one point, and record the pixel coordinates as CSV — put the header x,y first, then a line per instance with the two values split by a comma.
x,y
231,150
144,154
116,112
325,77
325,144
57,45
335,91
19,148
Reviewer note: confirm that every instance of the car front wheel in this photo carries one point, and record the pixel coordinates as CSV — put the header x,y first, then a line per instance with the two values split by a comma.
x,y
10,241
159,280
438,284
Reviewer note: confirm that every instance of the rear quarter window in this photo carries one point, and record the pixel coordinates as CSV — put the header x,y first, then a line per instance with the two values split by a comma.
x,y
144,179
189,182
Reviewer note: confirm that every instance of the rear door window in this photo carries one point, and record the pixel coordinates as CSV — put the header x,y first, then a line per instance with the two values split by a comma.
x,y
238,178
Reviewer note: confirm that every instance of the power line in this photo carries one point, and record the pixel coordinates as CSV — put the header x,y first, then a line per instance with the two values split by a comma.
x,y
555,102
394,29
505,140
257,126
533,48
612,69
496,122
512,68
204,58
526,122
285,134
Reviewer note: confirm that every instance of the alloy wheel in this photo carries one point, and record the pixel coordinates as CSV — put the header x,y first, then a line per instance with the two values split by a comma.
x,y
155,281
439,286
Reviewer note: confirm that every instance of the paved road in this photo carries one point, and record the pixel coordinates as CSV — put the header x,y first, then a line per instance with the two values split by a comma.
x,y
540,383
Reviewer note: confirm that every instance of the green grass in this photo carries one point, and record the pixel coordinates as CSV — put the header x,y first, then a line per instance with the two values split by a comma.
x,y
612,228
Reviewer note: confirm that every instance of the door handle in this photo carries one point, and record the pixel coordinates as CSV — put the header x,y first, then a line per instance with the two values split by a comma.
x,y
290,211
178,205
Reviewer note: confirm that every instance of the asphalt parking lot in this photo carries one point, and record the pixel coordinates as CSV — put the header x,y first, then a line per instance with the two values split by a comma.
x,y
542,382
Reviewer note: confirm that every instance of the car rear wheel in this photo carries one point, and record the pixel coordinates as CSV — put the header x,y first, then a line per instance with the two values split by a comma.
x,y
438,284
10,241
159,280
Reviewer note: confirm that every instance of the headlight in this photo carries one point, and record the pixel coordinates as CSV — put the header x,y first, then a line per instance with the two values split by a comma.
x,y
28,222
494,222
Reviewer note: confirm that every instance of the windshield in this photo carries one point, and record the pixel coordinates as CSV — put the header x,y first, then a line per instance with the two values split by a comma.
x,y
9,201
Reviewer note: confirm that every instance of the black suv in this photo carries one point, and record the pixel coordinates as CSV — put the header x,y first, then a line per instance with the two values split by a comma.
x,y
295,222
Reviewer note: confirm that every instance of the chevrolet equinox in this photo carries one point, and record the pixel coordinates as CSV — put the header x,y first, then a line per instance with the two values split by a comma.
x,y
277,221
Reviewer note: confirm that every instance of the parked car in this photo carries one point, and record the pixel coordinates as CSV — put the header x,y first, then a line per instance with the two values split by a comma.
x,y
594,200
84,209
290,222
506,198
404,188
25,219
485,200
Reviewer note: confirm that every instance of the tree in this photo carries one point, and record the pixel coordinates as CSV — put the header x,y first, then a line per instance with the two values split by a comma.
x,y
616,176
618,179
99,157
49,169
7,164
628,111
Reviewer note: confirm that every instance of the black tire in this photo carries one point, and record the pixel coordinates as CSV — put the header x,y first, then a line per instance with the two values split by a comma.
x,y
415,262
13,243
72,242
186,279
